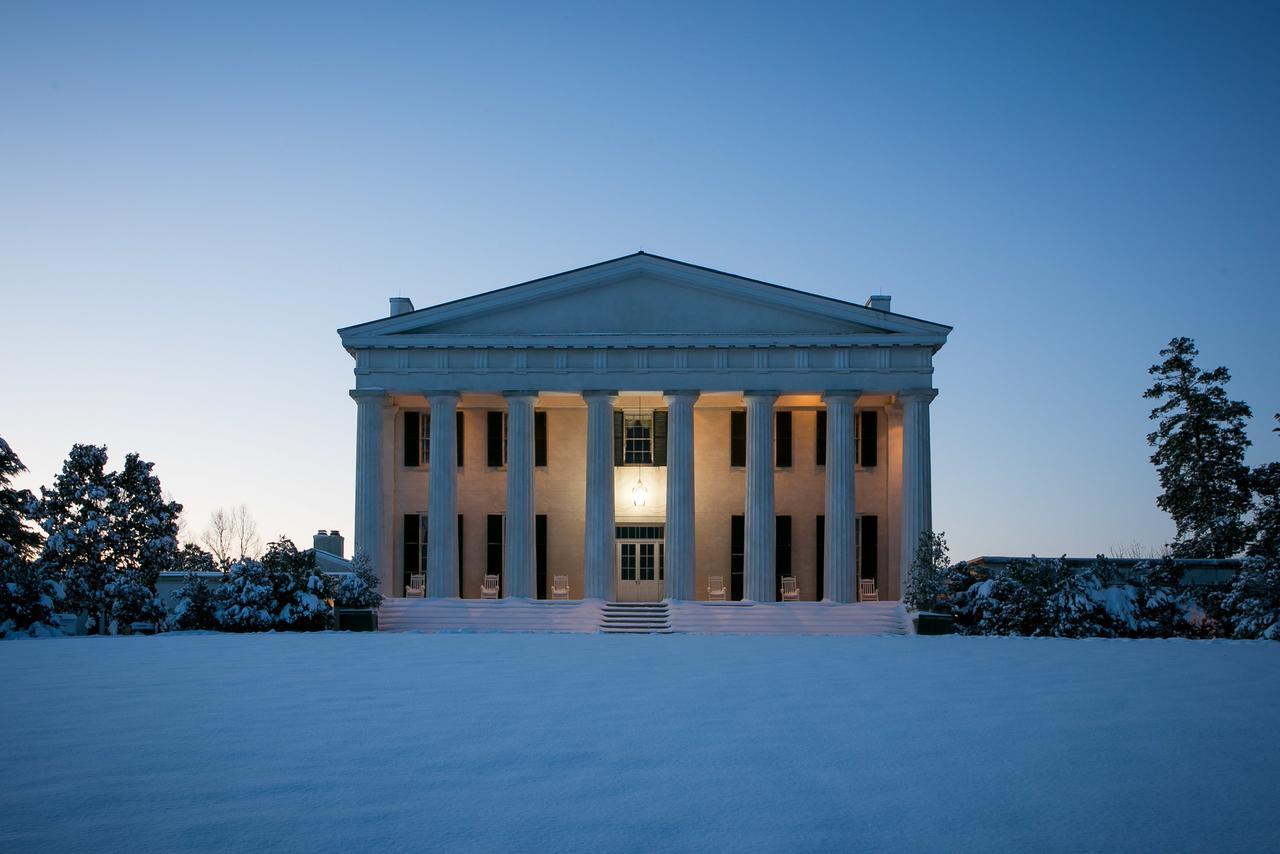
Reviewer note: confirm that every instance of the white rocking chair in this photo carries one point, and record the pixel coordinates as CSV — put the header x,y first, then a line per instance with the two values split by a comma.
x,y
489,589
560,587
790,591
867,590
715,588
417,586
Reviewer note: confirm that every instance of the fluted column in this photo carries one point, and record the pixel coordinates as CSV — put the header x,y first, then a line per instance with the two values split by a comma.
x,y
917,490
519,563
598,567
370,435
840,546
442,496
759,559
680,520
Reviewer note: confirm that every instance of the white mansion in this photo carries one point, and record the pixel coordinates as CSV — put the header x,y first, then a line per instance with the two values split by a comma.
x,y
643,426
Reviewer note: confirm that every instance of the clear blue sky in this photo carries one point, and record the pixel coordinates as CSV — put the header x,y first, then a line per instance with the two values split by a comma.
x,y
193,199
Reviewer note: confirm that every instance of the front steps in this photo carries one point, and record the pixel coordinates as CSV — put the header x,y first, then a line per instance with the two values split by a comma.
x,y
790,618
635,618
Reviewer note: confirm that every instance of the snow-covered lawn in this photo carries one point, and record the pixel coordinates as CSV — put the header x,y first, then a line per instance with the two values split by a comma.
x,y
396,742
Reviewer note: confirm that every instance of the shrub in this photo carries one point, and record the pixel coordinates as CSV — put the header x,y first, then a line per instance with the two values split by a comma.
x,y
360,588
196,607
245,600
27,596
1252,604
927,587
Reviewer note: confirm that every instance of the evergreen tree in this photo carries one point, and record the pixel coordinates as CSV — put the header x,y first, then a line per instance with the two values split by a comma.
x,y
28,598
927,581
1265,527
75,516
245,601
144,524
15,506
196,604
300,589
1200,442
360,588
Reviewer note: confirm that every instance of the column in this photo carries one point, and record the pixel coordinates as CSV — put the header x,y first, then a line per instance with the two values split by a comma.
x,y
442,496
680,548
840,545
519,560
759,559
370,406
917,490
598,567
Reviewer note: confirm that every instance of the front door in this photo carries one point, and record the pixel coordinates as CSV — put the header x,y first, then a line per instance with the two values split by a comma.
x,y
640,571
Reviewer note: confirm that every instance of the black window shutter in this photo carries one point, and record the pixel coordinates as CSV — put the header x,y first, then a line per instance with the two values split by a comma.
x,y
822,438
738,437
540,438
411,441
619,433
782,446
461,551
818,589
660,437
459,432
411,553
494,439
868,439
870,542
737,561
493,557
781,552
540,552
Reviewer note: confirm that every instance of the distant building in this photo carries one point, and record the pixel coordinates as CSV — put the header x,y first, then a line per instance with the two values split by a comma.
x,y
641,426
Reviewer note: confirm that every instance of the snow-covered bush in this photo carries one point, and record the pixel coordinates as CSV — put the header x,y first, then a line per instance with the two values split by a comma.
x,y
1029,597
1252,605
360,588
133,600
246,602
302,591
927,587
28,598
196,606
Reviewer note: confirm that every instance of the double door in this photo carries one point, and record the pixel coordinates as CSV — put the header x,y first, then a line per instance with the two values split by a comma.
x,y
640,571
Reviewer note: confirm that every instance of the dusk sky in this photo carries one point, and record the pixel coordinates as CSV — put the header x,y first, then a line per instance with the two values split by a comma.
x,y
192,200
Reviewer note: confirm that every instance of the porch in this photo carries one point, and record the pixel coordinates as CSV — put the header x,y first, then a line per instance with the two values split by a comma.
x,y
587,616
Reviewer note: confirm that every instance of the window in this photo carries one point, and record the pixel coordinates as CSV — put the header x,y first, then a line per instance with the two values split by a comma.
x,y
737,555
637,435
818,589
493,547
417,438
738,437
867,531
414,544
496,439
540,552
781,552
640,437
865,423
782,440
821,451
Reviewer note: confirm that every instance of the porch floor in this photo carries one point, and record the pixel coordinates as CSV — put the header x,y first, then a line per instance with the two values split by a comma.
x,y
585,616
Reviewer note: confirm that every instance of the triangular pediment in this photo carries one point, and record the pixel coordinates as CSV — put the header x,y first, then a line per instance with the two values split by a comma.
x,y
643,295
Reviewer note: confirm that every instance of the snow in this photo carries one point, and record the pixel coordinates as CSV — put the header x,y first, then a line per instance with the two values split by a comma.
x,y
529,742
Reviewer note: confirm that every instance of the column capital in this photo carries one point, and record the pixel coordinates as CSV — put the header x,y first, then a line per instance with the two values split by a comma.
x,y
843,395
597,395
361,394
680,395
924,395
762,394
532,395
442,394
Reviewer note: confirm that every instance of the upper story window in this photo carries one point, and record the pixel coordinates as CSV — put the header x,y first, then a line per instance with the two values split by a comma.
x,y
639,437
637,449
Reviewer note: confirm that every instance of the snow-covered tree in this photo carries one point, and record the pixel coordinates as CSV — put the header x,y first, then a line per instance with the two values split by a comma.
x,y
1199,454
144,523
28,597
360,588
75,516
1264,528
927,587
301,590
245,601
195,606
1252,605
1075,606
15,507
